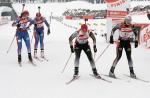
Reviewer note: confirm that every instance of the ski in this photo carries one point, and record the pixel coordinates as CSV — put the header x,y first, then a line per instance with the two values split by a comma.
x,y
20,64
101,79
32,63
73,79
37,58
110,77
44,58
137,78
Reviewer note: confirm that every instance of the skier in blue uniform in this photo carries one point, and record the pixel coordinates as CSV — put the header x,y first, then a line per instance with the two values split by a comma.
x,y
22,33
39,33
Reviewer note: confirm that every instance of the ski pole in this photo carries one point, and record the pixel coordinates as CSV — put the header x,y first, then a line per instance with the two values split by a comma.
x,y
85,20
102,53
23,5
50,21
32,37
33,33
39,9
66,63
11,43
94,55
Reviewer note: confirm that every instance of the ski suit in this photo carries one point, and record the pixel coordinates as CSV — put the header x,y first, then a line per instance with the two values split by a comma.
x,y
22,33
125,33
39,32
81,43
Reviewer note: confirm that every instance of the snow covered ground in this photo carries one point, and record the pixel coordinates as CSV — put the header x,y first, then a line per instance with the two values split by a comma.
x,y
46,81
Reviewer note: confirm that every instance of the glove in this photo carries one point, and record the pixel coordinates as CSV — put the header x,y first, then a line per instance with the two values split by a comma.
x,y
72,49
27,28
136,44
18,25
111,40
95,49
35,25
48,31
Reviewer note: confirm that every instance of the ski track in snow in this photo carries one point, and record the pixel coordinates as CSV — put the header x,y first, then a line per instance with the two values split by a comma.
x,y
46,81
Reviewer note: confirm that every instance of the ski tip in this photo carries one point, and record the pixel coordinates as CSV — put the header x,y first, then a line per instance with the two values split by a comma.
x,y
73,79
20,64
32,63
146,81
61,72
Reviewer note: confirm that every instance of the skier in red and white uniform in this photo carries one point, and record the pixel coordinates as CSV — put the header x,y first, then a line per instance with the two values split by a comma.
x,y
126,29
81,43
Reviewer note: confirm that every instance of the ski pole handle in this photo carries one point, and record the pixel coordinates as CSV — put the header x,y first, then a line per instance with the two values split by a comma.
x,y
23,5
39,8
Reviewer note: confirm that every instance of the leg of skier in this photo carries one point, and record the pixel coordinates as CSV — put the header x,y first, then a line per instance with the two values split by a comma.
x,y
76,62
130,62
42,44
119,50
88,52
19,43
27,42
36,37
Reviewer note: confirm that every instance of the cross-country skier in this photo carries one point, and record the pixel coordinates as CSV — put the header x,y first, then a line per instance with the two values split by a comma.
x,y
81,43
39,33
22,33
126,29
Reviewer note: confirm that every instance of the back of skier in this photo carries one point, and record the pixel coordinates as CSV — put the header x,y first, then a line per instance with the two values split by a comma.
x,y
81,43
126,30
22,33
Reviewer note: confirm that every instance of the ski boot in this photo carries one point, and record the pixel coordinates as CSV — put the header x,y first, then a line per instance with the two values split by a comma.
x,y
76,71
111,72
30,57
19,59
42,53
132,74
35,53
95,73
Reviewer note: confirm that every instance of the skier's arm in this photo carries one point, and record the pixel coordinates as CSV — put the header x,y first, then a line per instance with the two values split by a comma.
x,y
148,14
30,22
46,23
94,41
112,33
15,23
114,29
136,30
93,38
72,37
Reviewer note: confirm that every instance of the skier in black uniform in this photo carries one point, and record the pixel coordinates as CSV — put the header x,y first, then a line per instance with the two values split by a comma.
x,y
81,43
126,30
